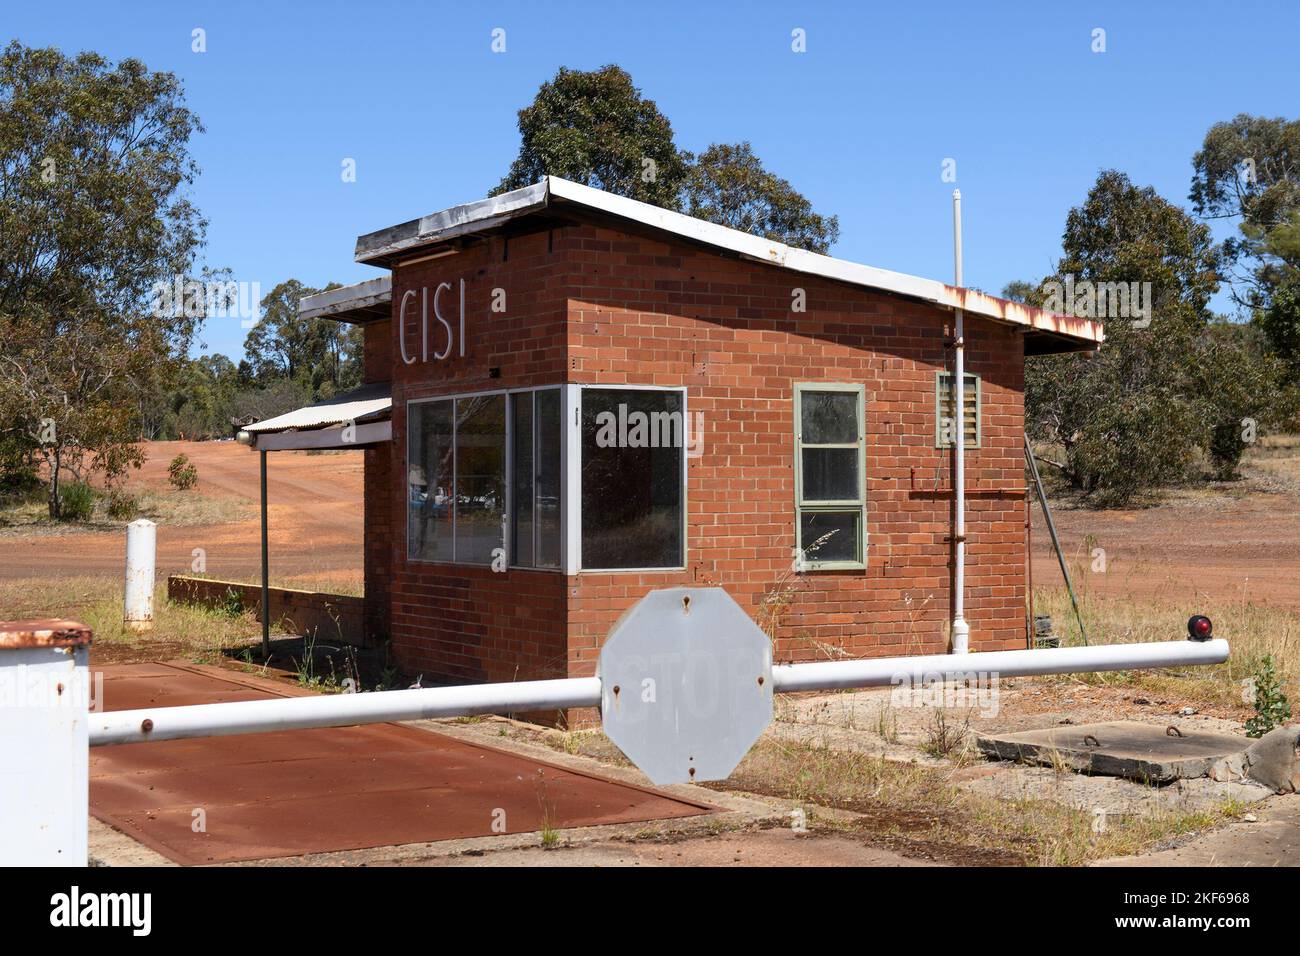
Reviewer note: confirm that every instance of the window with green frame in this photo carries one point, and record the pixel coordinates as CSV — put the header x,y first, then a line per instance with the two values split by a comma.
x,y
945,412
830,481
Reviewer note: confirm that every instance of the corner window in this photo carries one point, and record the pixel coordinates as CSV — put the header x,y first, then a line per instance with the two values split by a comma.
x,y
945,411
460,507
535,467
830,462
633,476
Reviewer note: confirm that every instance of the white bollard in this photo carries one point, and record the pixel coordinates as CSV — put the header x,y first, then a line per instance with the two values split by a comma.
x,y
141,544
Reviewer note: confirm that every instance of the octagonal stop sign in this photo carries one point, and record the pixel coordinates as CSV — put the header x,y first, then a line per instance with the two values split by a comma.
x,y
686,684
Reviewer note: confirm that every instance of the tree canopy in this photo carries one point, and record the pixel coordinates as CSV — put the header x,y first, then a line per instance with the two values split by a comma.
x,y
597,129
728,184
1248,171
94,165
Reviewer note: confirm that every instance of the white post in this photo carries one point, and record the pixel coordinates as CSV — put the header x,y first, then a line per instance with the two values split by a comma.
x,y
141,544
960,629
44,743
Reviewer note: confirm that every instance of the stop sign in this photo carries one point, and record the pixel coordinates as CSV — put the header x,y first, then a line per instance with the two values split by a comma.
x,y
686,684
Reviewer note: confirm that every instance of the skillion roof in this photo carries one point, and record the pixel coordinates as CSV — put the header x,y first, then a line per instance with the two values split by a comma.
x,y
557,201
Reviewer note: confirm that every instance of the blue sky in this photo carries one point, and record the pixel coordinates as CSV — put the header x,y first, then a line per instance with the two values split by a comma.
x,y
861,123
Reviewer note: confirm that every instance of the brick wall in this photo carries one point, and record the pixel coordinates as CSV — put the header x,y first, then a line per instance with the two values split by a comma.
x,y
591,305
378,479
649,312
451,622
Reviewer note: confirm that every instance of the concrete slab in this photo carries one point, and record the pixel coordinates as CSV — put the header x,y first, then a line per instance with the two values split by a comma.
x,y
1120,748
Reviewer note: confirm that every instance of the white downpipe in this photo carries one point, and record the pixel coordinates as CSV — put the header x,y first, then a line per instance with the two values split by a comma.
x,y
886,671
141,546
960,629
342,710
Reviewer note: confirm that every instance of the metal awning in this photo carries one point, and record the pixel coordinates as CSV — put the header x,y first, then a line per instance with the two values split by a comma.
x,y
357,304
362,416
354,419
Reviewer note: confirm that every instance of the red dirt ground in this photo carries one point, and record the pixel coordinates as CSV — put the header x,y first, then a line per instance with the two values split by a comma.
x,y
1216,545
1191,548
315,519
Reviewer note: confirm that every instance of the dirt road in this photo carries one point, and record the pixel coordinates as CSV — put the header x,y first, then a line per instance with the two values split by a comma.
x,y
1220,546
315,517
1189,549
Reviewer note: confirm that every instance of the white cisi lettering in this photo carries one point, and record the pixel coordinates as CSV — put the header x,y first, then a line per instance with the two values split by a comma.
x,y
453,337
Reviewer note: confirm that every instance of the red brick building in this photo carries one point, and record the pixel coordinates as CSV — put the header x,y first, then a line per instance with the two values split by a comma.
x,y
593,397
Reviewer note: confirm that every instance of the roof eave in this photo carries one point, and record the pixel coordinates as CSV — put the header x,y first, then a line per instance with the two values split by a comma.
x,y
384,247
362,302
387,246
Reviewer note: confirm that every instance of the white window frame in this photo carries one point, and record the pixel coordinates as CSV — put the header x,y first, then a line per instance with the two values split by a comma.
x,y
802,506
508,509
573,462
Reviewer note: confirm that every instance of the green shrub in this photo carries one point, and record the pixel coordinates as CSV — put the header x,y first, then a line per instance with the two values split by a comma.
x,y
76,501
231,604
182,474
122,505
1272,709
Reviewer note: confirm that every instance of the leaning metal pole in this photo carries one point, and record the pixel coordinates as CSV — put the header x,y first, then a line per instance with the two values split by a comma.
x,y
1056,542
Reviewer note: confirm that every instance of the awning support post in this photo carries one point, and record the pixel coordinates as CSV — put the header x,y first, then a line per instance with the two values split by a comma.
x,y
266,573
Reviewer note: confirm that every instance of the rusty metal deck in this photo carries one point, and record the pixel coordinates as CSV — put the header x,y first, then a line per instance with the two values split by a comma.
x,y
260,796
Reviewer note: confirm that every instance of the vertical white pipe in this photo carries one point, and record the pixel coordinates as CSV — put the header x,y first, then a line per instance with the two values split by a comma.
x,y
960,629
141,542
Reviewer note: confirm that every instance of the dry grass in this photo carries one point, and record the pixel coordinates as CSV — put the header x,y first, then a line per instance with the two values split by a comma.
x,y
182,630
1253,630
172,508
910,804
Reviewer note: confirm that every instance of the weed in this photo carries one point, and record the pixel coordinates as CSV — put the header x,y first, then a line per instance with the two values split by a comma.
x,y
943,737
1272,709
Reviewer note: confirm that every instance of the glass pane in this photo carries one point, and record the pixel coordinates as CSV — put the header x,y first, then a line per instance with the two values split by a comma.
x,y
631,478
548,478
429,481
480,477
829,418
521,489
829,535
830,474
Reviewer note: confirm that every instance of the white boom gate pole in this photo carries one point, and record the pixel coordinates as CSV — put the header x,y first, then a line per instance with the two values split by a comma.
x,y
341,710
709,662
141,545
960,629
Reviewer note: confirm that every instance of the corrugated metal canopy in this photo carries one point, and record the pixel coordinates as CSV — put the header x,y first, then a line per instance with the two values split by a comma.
x,y
367,403
553,200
